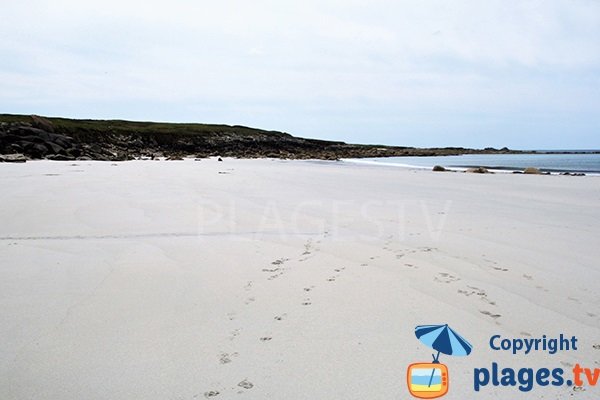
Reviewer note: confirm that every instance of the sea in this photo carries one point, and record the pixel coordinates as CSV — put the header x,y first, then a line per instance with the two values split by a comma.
x,y
575,161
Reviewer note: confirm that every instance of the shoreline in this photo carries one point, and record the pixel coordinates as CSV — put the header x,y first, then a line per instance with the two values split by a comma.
x,y
454,168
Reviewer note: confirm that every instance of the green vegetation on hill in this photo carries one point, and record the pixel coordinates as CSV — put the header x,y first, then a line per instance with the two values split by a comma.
x,y
63,138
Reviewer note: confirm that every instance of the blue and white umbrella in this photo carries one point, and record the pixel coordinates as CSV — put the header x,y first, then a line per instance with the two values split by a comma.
x,y
443,339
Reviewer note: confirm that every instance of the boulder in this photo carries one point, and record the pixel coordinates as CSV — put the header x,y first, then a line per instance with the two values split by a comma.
x,y
35,150
62,140
24,130
60,157
532,171
54,148
478,170
439,168
17,158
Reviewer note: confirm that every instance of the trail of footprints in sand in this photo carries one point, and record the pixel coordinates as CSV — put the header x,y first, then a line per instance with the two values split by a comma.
x,y
275,270
494,266
469,291
474,292
448,278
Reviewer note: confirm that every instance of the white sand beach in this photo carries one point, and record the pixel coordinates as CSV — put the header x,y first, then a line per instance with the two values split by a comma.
x,y
270,279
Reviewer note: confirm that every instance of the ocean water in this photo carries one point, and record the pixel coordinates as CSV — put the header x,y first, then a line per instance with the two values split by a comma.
x,y
582,161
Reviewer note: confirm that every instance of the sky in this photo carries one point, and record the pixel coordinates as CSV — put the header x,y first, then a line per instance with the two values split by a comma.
x,y
473,73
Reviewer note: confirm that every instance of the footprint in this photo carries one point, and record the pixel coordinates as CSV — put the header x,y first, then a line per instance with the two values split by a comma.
x,y
427,249
477,292
246,384
306,302
307,247
234,333
250,300
265,338
528,277
500,269
212,393
270,278
225,358
271,269
525,333
446,278
280,317
494,316
596,347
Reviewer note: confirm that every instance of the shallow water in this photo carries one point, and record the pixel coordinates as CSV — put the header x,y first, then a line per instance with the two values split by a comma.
x,y
579,162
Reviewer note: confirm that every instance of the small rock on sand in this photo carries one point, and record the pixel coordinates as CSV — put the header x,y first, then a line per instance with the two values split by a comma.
x,y
439,168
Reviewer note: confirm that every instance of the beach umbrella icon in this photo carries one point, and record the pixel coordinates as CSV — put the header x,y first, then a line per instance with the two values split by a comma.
x,y
443,339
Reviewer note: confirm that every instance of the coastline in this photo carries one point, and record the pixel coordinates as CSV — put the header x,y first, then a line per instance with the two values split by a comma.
x,y
494,163
282,279
34,137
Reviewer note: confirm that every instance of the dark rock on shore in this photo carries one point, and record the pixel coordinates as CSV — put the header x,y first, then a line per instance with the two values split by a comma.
x,y
573,173
478,170
439,168
66,139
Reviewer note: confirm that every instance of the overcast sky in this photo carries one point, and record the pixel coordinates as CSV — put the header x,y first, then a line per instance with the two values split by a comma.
x,y
523,74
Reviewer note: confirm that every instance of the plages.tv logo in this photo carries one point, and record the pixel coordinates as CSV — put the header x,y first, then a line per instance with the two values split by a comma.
x,y
429,380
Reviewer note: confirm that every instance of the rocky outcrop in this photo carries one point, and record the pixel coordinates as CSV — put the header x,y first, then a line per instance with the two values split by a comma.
x,y
37,139
65,139
34,142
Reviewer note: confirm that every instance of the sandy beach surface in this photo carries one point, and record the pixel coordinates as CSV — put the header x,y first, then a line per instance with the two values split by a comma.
x,y
270,279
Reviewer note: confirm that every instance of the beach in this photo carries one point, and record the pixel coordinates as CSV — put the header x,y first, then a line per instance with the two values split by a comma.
x,y
277,279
